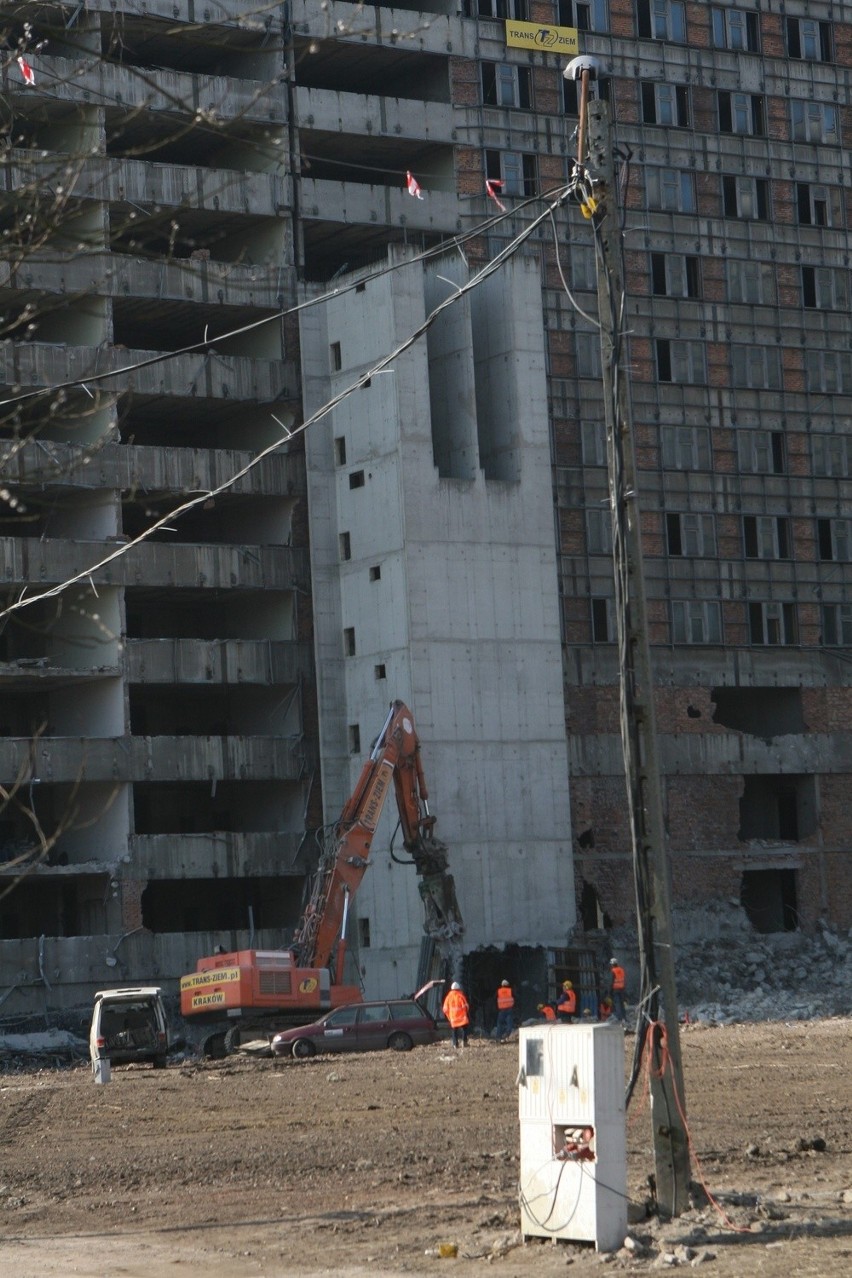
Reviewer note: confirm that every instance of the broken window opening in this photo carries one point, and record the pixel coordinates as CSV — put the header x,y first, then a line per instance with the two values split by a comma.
x,y
594,917
778,808
769,900
67,906
221,905
761,712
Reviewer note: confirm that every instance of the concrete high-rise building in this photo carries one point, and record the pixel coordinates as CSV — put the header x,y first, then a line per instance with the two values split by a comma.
x,y
178,720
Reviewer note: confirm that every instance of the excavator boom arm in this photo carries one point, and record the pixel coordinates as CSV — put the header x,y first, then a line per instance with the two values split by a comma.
x,y
394,761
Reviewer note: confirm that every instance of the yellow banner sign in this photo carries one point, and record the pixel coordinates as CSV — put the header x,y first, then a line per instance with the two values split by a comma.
x,y
535,35
220,975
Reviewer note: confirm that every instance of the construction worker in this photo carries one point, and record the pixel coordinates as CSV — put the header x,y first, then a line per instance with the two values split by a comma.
x,y
457,1011
605,1009
619,980
505,1016
566,1008
546,1010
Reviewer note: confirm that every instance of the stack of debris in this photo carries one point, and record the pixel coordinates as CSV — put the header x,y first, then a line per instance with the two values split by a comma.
x,y
727,972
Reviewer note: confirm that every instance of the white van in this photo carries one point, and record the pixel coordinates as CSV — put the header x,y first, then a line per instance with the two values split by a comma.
x,y
129,1025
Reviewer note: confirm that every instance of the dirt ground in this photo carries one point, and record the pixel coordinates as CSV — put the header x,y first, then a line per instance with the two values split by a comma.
x,y
357,1165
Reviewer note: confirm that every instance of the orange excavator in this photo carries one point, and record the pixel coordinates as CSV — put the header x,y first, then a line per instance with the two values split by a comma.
x,y
253,992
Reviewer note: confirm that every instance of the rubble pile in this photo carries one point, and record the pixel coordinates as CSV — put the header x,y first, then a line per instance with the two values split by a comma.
x,y
727,972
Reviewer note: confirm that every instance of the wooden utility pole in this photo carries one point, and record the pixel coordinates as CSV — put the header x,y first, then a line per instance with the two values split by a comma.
x,y
659,1013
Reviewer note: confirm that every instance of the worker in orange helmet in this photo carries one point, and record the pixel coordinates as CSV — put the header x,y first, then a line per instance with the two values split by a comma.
x,y
505,1017
566,1008
457,1011
619,981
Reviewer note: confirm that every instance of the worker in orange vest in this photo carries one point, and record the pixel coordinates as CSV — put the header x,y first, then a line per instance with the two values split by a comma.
x,y
619,981
505,1018
546,1010
457,1011
566,1008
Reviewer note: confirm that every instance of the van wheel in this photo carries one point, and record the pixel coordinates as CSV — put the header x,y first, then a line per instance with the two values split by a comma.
x,y
303,1048
400,1042
159,1062
213,1047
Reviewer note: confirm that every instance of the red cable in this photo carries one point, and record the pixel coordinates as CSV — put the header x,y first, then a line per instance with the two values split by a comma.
x,y
659,1073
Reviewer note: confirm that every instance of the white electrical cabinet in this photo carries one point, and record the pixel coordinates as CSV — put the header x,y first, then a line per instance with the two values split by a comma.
x,y
573,1181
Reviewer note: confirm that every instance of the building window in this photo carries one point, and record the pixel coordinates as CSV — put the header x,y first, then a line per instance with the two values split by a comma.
x,y
354,739
824,288
344,542
828,372
672,190
745,197
772,623
817,205
834,537
681,362
807,38
589,355
734,29
375,572
599,530
504,85
349,641
761,452
571,94
696,621
692,535
741,113
585,15
335,357
686,448
832,456
665,104
766,537
515,169
340,451
661,20
603,621
380,671
814,122
675,275
583,270
837,625
356,479
593,437
517,10
751,281
756,367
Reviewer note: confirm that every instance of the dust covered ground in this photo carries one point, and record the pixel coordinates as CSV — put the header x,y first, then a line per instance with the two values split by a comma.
x,y
358,1165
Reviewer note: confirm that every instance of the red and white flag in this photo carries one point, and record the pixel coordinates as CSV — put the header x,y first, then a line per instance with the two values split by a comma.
x,y
492,186
412,185
26,71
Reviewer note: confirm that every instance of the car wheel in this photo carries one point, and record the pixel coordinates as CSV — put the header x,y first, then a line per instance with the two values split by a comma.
x,y
400,1042
159,1062
303,1048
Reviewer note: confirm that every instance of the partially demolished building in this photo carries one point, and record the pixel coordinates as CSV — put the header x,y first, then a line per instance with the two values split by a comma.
x,y
207,611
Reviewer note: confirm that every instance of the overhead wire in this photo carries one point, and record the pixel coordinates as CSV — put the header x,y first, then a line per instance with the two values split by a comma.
x,y
459,291
207,342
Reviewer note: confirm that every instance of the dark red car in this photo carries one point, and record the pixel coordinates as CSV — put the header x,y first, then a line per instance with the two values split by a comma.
x,y
398,1023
